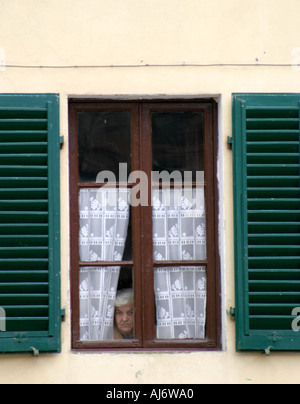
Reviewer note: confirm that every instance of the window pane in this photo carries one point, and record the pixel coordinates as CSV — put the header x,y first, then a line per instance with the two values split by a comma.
x,y
124,306
180,297
103,143
106,312
177,141
179,224
105,225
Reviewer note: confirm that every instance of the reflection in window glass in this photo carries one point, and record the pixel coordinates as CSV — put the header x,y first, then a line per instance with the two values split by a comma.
x,y
177,141
103,143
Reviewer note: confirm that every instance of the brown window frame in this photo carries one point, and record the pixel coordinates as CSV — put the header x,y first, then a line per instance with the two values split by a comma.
x,y
141,149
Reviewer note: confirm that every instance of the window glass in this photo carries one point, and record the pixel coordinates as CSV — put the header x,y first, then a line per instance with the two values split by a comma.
x,y
106,304
103,143
179,224
104,224
177,141
180,297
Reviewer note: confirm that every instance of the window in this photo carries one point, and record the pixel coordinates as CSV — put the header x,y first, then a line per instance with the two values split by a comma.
x,y
267,220
144,242
30,312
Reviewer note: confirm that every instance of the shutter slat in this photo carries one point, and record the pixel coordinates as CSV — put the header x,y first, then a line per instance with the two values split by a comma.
x,y
273,203
23,124
18,299
275,239
33,311
285,227
274,262
17,182
16,264
24,193
264,322
17,136
272,147
273,169
273,158
273,181
27,323
23,147
267,175
272,135
274,192
268,215
272,250
23,287
23,171
274,285
24,252
24,229
23,217
24,240
275,298
23,276
261,309
21,205
24,159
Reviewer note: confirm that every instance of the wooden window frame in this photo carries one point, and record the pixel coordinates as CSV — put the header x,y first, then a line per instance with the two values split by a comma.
x,y
145,338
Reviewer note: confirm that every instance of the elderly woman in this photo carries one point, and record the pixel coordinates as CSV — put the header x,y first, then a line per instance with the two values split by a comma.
x,y
124,315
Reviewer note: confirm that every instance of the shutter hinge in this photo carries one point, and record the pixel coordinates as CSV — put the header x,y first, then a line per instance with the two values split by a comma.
x,y
230,142
63,315
62,141
232,312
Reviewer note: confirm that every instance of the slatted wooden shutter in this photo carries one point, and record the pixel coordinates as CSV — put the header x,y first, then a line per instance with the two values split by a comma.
x,y
29,223
266,134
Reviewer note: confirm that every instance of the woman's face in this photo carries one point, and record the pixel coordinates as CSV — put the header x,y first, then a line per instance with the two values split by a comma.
x,y
124,318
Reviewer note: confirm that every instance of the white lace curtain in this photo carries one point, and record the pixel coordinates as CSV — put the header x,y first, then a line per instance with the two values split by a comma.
x,y
104,218
179,233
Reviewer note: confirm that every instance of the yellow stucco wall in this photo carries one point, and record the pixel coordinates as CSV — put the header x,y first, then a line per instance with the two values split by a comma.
x,y
140,32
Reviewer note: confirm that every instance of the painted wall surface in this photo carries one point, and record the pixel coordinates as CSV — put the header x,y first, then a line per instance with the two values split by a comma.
x,y
127,40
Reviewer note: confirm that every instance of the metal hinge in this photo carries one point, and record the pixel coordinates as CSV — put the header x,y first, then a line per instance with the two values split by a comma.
x,y
232,312
62,141
63,315
230,142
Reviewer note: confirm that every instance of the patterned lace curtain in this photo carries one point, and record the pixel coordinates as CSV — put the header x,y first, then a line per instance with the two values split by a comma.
x,y
179,233
104,218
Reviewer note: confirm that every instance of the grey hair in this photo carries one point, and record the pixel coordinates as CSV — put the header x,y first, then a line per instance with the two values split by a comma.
x,y
124,297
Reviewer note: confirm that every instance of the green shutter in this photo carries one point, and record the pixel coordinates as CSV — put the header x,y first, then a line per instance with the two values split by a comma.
x,y
29,223
266,156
